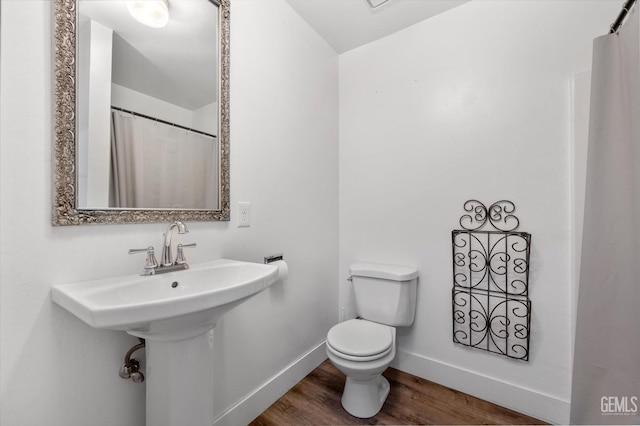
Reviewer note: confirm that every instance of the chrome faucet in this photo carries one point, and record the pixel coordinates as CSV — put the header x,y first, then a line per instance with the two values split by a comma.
x,y
167,263
167,257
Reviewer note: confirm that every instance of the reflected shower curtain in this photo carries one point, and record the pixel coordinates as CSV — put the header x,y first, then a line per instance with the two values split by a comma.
x,y
155,165
606,368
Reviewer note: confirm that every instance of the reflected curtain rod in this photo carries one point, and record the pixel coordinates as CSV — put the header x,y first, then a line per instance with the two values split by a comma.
x,y
623,14
163,122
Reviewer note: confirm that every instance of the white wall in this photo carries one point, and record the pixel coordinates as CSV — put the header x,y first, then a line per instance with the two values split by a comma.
x,y
473,103
205,119
95,45
55,370
123,97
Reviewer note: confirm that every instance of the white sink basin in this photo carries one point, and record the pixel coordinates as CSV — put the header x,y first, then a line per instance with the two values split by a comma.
x,y
170,306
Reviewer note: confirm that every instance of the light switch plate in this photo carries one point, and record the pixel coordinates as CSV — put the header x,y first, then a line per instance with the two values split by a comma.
x,y
244,214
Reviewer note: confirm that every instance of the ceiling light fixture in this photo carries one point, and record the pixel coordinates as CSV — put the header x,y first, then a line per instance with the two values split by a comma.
x,y
152,13
374,4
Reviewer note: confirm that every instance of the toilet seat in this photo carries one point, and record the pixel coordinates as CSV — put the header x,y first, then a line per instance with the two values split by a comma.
x,y
360,340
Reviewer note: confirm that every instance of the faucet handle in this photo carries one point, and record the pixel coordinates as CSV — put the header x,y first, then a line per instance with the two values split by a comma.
x,y
180,259
151,262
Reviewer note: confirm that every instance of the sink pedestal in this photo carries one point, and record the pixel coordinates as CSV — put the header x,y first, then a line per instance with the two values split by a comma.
x,y
179,381
179,370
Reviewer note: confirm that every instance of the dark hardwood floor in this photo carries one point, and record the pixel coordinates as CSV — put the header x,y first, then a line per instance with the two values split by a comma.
x,y
412,400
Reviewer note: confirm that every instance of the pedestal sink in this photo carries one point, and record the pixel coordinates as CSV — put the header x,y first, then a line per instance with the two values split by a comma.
x,y
175,313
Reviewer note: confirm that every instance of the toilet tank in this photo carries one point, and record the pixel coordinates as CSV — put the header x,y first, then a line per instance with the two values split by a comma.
x,y
385,294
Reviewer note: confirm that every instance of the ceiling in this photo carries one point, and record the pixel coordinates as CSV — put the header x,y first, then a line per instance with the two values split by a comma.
x,y
347,24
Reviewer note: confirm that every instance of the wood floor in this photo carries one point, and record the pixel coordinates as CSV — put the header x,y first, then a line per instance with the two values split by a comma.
x,y
412,400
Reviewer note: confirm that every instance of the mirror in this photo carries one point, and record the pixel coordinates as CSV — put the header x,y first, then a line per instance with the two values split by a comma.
x,y
141,113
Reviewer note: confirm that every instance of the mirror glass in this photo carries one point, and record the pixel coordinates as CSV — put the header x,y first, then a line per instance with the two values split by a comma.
x,y
147,106
148,136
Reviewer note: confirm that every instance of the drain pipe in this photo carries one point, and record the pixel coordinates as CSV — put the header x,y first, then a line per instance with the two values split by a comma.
x,y
131,367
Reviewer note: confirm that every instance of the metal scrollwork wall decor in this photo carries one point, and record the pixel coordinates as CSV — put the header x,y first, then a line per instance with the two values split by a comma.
x,y
490,294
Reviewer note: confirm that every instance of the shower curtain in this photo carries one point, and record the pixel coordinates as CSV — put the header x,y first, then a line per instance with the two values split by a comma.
x,y
606,368
155,165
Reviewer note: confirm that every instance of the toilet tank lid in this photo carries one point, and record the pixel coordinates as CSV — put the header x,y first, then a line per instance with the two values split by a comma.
x,y
387,272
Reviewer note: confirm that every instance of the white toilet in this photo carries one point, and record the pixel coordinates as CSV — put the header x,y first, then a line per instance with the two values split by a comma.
x,y
363,348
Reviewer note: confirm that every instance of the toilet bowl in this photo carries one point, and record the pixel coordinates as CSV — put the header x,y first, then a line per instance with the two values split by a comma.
x,y
362,350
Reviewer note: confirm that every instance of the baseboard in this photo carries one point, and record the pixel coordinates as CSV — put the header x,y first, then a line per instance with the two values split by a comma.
x,y
526,401
252,405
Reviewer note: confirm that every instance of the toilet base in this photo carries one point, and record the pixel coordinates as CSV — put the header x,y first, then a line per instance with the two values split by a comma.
x,y
364,398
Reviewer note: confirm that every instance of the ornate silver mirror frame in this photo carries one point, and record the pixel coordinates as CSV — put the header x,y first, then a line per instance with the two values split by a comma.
x,y
65,211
